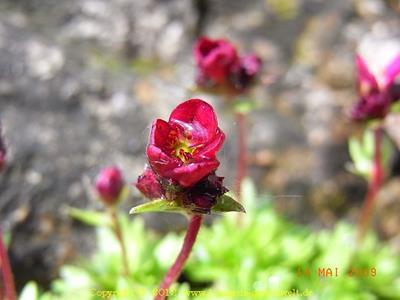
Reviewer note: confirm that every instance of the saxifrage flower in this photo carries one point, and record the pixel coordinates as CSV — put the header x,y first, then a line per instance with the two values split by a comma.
x,y
220,66
377,91
216,59
183,150
109,185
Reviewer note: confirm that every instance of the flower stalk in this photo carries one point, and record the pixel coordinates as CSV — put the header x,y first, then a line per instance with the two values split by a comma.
x,y
109,186
374,185
116,227
6,273
176,269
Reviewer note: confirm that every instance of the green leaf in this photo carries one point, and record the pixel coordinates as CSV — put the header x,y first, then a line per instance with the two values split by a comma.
x,y
226,203
158,205
92,218
29,292
361,153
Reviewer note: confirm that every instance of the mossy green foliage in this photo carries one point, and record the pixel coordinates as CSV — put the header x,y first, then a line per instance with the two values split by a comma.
x,y
264,258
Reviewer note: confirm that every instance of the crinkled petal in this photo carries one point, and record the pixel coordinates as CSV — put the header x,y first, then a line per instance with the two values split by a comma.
x,y
220,62
160,162
212,148
215,59
190,174
159,134
202,48
197,117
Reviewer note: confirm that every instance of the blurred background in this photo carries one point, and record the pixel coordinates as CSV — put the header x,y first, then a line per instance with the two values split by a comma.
x,y
81,81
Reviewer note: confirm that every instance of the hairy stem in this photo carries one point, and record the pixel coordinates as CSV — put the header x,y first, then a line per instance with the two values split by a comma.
x,y
116,227
176,269
6,273
374,185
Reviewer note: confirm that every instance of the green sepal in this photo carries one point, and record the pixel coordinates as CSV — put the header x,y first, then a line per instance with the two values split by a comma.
x,y
158,205
226,203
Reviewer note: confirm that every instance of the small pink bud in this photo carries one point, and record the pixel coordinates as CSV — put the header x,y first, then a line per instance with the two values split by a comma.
x,y
109,184
148,184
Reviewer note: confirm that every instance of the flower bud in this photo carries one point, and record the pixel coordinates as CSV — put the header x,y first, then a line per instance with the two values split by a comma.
x,y
220,68
148,184
109,184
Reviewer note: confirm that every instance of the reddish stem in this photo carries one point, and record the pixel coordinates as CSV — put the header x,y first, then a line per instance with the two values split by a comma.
x,y
176,269
374,185
242,154
118,234
6,273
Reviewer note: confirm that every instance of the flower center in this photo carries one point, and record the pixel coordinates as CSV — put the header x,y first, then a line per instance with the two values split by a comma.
x,y
183,151
180,146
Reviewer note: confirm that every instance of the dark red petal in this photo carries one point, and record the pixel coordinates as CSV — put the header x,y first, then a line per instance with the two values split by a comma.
x,y
160,134
220,62
215,59
373,106
160,162
190,174
148,184
365,77
196,116
202,48
212,148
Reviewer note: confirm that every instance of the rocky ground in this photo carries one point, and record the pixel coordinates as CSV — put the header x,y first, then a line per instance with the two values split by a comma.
x,y
81,80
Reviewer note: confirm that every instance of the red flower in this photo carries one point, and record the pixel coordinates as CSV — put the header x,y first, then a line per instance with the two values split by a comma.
x,y
377,93
109,184
218,65
216,59
149,185
2,151
183,150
